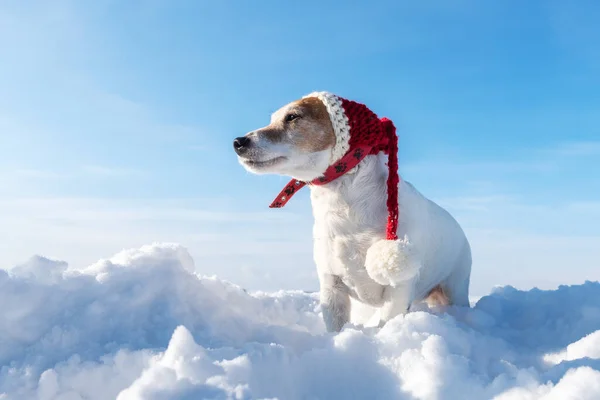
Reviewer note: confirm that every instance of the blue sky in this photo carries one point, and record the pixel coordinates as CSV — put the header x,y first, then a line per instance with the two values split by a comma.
x,y
116,122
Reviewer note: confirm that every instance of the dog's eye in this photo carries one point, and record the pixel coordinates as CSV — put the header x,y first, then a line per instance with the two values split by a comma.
x,y
291,117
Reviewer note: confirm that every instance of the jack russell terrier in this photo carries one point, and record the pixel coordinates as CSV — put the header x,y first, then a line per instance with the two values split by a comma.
x,y
376,238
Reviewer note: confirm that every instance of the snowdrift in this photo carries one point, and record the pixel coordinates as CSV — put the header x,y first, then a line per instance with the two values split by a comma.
x,y
143,325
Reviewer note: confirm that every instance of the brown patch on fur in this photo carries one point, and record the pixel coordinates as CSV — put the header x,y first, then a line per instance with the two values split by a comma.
x,y
315,126
437,297
311,132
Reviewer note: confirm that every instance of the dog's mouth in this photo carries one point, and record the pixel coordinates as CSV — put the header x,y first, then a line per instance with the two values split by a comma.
x,y
257,164
261,165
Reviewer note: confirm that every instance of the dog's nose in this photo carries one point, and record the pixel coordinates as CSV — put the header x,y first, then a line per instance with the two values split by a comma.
x,y
240,144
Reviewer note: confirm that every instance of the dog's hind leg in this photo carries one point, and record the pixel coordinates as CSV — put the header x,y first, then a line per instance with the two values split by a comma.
x,y
456,286
437,297
335,303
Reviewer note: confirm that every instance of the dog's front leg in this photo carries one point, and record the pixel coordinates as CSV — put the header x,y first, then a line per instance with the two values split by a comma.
x,y
335,302
398,299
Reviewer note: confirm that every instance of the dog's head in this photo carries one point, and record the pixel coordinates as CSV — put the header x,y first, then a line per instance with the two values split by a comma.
x,y
298,142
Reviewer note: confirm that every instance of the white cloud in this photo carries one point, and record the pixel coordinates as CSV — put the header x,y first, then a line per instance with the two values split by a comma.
x,y
531,260
589,208
474,203
454,168
104,171
512,243
32,173
49,46
242,246
528,245
576,149
549,158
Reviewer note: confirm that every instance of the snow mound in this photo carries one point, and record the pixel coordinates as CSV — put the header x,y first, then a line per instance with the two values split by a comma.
x,y
143,325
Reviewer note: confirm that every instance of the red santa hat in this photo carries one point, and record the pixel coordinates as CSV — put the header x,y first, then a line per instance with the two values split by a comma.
x,y
359,132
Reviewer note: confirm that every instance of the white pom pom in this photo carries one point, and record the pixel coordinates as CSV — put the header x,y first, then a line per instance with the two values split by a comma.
x,y
390,262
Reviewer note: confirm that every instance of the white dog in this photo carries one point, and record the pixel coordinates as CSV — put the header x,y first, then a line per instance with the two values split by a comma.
x,y
348,157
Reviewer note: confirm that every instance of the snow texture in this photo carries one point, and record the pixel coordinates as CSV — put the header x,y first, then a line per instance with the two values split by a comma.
x,y
143,325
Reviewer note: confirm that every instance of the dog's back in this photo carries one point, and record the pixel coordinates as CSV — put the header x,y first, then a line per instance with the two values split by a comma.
x,y
442,246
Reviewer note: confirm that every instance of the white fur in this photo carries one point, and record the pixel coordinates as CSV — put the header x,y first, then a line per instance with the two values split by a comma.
x,y
350,217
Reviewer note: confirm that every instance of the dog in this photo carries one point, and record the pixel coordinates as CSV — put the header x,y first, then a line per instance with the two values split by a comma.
x,y
344,152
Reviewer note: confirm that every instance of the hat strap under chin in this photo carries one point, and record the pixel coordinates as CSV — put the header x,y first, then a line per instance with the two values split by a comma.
x,y
339,168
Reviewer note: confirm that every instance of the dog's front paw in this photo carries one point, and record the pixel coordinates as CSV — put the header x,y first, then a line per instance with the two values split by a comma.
x,y
390,262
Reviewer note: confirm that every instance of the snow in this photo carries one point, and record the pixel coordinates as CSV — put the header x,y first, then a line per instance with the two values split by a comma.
x,y
144,325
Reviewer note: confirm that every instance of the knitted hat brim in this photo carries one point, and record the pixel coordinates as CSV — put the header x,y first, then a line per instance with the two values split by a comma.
x,y
339,121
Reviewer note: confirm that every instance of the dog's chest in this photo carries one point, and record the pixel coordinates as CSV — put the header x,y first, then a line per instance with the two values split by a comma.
x,y
345,227
341,254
